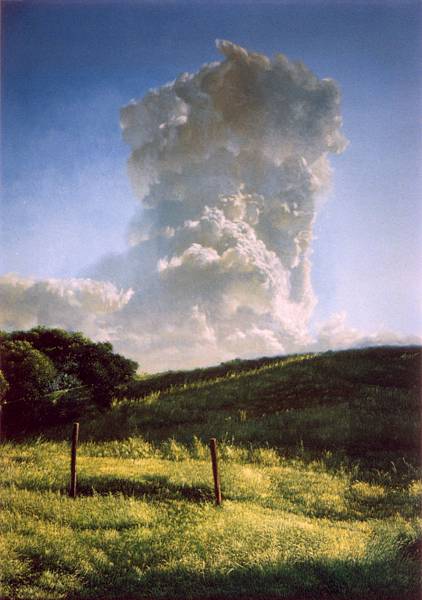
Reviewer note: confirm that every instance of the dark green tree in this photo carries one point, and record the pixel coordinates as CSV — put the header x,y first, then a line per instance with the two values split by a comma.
x,y
103,370
84,373
93,364
29,374
4,386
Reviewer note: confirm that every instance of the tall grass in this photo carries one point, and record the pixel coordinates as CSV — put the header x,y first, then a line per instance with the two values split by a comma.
x,y
319,458
147,527
359,407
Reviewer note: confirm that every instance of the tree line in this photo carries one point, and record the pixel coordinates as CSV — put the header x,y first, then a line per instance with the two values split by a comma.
x,y
49,376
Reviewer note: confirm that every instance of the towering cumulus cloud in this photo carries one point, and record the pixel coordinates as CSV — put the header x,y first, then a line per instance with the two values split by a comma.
x,y
228,164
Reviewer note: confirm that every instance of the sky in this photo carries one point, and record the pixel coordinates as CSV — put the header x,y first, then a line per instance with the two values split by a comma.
x,y
67,200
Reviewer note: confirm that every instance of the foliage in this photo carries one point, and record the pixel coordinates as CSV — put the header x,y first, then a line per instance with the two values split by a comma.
x,y
94,364
60,372
103,370
29,373
4,386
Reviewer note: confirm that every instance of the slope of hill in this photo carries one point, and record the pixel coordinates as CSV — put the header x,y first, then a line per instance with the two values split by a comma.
x,y
355,404
319,461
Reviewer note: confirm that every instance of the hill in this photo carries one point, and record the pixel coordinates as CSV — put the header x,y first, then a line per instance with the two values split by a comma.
x,y
360,405
319,459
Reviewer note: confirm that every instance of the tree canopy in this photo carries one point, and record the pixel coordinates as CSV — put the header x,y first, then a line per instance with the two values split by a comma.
x,y
51,375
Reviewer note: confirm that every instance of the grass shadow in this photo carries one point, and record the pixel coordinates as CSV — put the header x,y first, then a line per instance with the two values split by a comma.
x,y
154,487
327,579
157,487
333,579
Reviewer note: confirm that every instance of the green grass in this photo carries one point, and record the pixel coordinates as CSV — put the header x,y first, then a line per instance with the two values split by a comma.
x,y
147,528
319,459
359,407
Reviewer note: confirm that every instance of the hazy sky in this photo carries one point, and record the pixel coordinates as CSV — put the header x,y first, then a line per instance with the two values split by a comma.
x,y
68,68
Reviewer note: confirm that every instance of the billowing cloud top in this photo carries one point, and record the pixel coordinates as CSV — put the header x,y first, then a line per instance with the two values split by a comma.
x,y
228,164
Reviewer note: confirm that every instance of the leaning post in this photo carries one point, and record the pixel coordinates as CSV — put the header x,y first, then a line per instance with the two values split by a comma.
x,y
75,436
217,488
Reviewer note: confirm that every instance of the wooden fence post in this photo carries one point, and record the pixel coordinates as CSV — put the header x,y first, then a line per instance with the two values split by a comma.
x,y
75,436
217,488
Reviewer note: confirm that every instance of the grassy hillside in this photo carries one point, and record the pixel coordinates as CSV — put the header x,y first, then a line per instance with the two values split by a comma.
x,y
319,458
356,405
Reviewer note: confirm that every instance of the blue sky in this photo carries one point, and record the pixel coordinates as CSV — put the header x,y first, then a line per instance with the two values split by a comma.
x,y
67,68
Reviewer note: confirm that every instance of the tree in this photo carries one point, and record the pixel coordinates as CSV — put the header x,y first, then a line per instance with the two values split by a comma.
x,y
100,368
56,375
4,386
29,373
92,363
59,345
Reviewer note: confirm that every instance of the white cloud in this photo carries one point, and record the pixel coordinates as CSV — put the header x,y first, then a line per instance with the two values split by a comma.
x,y
336,334
80,304
229,164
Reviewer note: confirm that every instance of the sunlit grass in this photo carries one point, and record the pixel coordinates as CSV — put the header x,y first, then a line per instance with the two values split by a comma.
x,y
148,528
319,459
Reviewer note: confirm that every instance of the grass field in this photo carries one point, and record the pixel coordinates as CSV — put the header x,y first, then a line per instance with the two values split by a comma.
x,y
319,459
